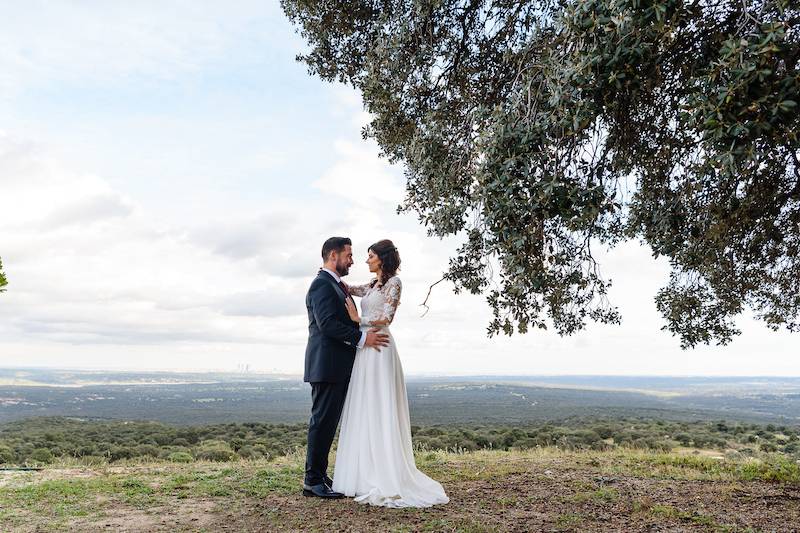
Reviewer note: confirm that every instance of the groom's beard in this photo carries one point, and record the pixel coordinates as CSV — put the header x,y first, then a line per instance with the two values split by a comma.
x,y
342,270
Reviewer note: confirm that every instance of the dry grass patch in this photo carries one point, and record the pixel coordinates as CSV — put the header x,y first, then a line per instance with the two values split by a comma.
x,y
543,489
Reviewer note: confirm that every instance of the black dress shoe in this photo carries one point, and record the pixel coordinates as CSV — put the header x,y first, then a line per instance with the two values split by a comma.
x,y
321,491
328,481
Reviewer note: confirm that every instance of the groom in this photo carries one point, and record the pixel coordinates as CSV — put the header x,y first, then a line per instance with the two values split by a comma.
x,y
330,353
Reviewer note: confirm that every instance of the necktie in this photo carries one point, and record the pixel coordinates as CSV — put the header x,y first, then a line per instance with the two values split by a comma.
x,y
344,288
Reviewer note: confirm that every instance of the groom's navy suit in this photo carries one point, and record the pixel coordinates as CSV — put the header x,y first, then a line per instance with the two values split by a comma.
x,y
330,353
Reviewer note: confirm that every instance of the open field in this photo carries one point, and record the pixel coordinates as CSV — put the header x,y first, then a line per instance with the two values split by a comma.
x,y
545,489
199,452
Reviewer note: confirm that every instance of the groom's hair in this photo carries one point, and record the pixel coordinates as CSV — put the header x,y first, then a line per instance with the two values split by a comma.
x,y
334,244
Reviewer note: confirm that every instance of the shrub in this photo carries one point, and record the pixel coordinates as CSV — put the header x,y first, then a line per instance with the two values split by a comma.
x,y
215,450
120,452
248,452
146,450
41,455
180,457
7,455
776,469
768,447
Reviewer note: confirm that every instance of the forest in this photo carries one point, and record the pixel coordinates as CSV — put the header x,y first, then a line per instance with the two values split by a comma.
x,y
39,441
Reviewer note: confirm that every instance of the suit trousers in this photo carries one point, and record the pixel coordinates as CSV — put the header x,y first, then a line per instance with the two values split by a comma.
x,y
327,402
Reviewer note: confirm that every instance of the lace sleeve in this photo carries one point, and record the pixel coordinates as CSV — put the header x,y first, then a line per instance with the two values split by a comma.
x,y
358,290
385,314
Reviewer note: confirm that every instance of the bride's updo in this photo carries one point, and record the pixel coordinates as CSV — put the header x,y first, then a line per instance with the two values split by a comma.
x,y
390,259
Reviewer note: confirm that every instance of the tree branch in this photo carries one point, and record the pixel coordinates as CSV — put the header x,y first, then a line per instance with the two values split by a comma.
x,y
425,303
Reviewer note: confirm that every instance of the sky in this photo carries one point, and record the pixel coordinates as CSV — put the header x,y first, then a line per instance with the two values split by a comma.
x,y
168,174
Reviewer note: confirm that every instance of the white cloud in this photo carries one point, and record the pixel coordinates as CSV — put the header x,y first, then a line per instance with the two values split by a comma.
x,y
350,108
88,210
268,303
362,179
283,242
88,266
43,42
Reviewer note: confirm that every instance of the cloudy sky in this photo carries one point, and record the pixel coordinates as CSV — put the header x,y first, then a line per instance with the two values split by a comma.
x,y
168,174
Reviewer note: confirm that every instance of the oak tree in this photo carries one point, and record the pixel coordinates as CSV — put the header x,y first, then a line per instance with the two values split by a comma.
x,y
3,280
541,130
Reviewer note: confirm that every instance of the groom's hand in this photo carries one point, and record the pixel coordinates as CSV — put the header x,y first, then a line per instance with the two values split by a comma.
x,y
376,339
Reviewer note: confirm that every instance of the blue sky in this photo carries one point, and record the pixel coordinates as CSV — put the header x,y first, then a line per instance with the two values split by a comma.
x,y
227,113
168,173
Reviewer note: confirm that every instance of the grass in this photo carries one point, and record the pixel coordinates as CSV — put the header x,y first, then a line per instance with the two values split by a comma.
x,y
59,500
669,511
601,495
772,468
555,489
568,520
486,464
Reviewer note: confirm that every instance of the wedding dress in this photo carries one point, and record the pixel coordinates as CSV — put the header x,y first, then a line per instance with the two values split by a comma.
x,y
374,458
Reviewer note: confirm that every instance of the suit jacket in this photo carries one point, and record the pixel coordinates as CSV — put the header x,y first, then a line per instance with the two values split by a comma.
x,y
332,336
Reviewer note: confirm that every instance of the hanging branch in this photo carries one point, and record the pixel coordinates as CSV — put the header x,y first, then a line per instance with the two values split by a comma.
x,y
425,303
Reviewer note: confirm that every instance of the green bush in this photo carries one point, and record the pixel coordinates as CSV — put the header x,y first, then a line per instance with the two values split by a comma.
x,y
215,450
7,455
146,450
777,469
180,457
120,452
768,447
42,456
119,440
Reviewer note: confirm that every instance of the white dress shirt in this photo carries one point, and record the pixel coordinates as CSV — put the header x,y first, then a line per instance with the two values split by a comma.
x,y
339,280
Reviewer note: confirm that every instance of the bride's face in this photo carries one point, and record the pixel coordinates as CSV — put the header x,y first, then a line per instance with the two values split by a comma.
x,y
373,261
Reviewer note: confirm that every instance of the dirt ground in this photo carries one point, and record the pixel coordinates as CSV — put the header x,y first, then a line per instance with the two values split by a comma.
x,y
523,502
561,498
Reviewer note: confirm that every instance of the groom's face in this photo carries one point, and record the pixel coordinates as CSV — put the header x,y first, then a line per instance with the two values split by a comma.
x,y
344,260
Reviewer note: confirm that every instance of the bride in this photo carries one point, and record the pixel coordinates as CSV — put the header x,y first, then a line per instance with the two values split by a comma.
x,y
374,458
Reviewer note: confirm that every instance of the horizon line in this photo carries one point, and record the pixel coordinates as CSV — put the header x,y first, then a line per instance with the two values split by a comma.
x,y
410,375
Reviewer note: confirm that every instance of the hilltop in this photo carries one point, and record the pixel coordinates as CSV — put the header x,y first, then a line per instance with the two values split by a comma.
x,y
544,489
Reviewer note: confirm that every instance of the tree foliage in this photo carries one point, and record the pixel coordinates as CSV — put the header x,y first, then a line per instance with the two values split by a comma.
x,y
538,130
43,440
3,280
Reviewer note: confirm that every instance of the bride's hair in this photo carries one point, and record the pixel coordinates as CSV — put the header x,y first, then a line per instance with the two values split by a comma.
x,y
390,259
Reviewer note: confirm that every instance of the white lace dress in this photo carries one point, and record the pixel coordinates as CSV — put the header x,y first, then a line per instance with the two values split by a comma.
x,y
374,458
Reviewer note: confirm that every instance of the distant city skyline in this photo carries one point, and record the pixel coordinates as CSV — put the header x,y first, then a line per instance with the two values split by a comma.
x,y
167,177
